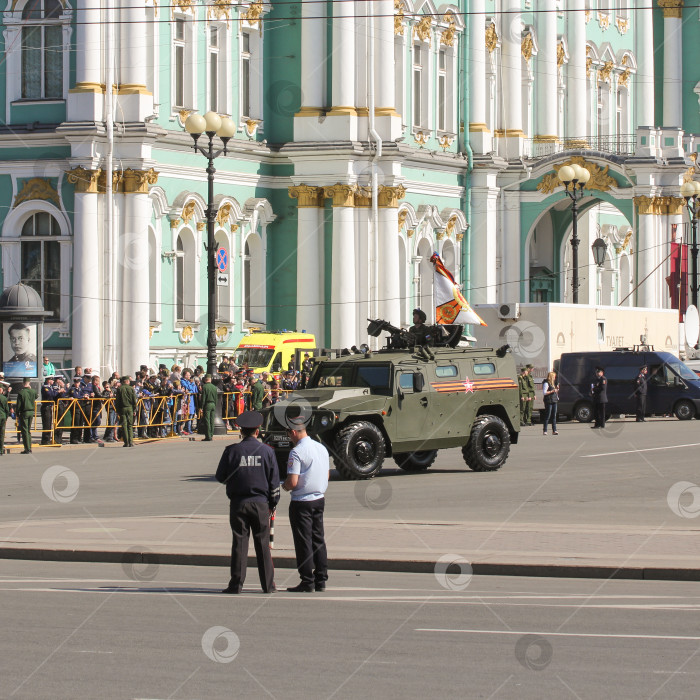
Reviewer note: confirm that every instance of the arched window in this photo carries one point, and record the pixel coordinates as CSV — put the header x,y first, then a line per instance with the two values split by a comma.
x,y
186,277
42,50
40,259
180,280
154,260
254,280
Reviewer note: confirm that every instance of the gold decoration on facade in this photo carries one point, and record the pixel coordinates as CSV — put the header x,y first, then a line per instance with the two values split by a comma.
x,y
589,61
150,331
342,195
624,77
137,181
84,180
447,37
307,196
37,188
410,232
449,229
186,334
622,24
403,215
174,223
188,211
459,237
689,174
659,206
222,216
526,46
445,141
399,8
672,8
422,28
561,54
219,10
600,179
201,225
221,333
604,20
587,15
182,6
625,243
155,5
421,138
440,235
605,72
491,37
254,13
389,196
251,126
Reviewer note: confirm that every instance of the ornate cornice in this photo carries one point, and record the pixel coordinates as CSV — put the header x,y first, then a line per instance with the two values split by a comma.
x,y
447,37
182,6
659,206
605,72
137,181
422,28
307,196
37,188
389,196
624,77
672,8
219,10
363,197
85,181
253,14
342,195
600,179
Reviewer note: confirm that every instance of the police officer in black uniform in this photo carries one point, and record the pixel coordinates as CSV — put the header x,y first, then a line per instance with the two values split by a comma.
x,y
640,393
249,470
599,389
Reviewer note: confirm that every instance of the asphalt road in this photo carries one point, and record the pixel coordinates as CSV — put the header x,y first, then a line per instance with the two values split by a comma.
x,y
100,631
620,476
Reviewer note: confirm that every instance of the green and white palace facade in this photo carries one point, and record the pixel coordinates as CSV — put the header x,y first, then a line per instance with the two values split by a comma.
x,y
370,133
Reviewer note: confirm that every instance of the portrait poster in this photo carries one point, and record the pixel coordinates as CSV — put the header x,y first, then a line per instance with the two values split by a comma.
x,y
19,343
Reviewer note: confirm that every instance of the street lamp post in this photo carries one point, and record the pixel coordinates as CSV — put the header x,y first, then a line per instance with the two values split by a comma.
x,y
574,179
211,124
690,191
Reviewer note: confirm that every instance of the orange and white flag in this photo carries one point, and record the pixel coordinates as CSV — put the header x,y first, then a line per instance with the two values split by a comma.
x,y
450,304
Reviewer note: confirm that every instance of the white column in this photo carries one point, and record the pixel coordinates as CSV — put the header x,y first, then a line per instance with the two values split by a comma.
x,y
479,134
645,259
133,248
135,102
483,242
384,57
310,267
510,248
673,67
85,98
343,59
389,291
546,78
511,59
86,283
576,75
644,80
313,58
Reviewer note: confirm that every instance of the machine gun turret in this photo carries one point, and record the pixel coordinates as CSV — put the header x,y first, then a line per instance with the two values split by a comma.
x,y
439,335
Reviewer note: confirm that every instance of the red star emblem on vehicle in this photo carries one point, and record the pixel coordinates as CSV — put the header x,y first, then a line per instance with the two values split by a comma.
x,y
468,386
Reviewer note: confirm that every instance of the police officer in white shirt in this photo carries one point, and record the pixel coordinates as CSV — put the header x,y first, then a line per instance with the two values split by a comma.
x,y
249,470
307,480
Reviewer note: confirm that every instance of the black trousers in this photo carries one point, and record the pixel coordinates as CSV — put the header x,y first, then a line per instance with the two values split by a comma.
x,y
246,518
600,409
46,421
641,406
306,519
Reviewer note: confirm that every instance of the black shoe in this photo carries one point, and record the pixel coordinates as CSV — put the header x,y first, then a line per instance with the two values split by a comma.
x,y
231,591
320,587
272,590
301,588
25,452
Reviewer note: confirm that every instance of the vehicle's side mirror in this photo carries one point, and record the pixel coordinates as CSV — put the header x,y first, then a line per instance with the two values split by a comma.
x,y
418,381
277,367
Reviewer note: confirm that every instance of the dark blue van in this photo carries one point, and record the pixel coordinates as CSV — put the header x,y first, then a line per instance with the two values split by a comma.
x,y
672,387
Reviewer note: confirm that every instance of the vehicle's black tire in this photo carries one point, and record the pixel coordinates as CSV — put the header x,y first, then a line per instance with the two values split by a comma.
x,y
684,410
359,452
415,461
488,446
583,412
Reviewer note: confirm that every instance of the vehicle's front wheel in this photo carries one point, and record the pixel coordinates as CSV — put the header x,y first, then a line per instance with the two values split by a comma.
x,y
359,450
684,410
415,461
488,446
583,412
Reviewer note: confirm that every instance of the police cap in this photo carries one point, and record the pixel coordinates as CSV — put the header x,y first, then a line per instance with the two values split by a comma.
x,y
249,419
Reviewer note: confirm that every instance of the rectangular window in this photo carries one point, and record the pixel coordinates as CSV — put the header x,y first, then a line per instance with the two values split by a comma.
x,y
483,368
179,62
417,85
180,287
446,371
245,75
442,92
214,69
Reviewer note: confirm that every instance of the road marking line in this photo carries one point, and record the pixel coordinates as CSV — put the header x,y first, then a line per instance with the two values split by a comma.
x,y
646,449
559,634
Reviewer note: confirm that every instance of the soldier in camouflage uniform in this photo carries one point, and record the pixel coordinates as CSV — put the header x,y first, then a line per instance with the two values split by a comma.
x,y
530,394
523,391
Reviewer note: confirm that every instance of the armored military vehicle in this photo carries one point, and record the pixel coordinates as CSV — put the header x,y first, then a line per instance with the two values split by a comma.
x,y
405,402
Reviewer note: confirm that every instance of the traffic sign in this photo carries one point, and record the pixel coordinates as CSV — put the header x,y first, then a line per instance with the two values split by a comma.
x,y
222,279
222,259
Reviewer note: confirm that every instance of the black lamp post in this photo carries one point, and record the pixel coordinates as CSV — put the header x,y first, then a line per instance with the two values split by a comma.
x,y
574,179
211,124
690,191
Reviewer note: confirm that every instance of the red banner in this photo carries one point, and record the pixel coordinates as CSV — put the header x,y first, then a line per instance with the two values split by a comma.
x,y
678,279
